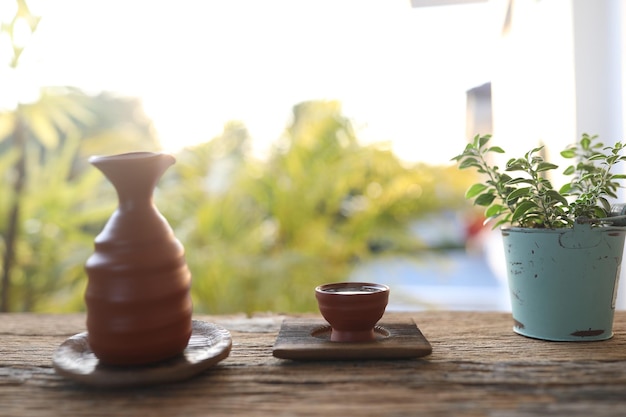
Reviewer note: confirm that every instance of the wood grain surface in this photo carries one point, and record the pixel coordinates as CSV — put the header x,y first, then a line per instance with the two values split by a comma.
x,y
478,367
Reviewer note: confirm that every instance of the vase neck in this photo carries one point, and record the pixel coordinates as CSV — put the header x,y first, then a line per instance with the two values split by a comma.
x,y
134,175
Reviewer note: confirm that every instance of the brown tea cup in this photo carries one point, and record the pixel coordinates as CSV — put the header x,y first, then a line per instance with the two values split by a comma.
x,y
352,309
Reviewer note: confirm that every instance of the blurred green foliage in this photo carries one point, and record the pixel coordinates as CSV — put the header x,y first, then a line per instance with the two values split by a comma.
x,y
50,205
259,233
53,203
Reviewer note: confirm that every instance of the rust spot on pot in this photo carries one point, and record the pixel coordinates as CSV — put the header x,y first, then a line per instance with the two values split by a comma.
x,y
587,333
518,324
517,297
614,234
505,233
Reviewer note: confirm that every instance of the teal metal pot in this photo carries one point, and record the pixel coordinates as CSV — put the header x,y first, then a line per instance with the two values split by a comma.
x,y
563,282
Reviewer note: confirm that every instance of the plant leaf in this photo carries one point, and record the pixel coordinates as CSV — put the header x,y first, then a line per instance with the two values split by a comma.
x,y
555,196
519,181
565,188
482,140
484,199
569,170
546,166
520,192
522,209
585,141
469,162
474,190
495,210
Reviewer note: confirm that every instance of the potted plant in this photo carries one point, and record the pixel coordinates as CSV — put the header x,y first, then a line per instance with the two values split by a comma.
x,y
563,248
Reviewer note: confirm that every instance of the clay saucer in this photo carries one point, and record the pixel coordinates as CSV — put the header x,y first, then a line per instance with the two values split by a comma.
x,y
208,345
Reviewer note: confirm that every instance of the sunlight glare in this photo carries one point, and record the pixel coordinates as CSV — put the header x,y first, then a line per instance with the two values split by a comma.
x,y
400,73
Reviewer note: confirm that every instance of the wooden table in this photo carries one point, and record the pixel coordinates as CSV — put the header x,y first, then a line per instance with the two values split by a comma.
x,y
478,367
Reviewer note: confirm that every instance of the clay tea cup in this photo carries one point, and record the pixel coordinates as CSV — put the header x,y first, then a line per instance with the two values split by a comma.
x,y
352,309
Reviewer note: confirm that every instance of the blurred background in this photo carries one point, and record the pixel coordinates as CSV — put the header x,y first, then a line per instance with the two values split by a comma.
x,y
313,138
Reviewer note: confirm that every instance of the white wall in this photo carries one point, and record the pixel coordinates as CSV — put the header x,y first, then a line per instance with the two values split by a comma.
x,y
598,54
533,83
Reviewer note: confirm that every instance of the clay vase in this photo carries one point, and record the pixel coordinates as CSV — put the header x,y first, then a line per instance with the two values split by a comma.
x,y
352,309
138,293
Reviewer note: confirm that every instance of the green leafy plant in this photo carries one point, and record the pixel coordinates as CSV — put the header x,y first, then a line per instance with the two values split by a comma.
x,y
530,200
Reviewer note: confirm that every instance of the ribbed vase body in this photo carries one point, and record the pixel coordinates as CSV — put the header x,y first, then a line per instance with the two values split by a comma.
x,y
138,293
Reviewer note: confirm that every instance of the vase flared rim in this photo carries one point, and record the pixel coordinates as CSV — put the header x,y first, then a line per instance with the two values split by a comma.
x,y
128,155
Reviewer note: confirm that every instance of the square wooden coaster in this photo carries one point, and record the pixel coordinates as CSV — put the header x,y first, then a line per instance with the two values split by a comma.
x,y
307,339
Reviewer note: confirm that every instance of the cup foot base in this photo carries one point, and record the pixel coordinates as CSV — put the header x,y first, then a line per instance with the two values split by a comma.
x,y
352,335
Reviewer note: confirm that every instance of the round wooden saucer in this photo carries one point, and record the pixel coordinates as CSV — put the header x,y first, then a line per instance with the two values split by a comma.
x,y
208,345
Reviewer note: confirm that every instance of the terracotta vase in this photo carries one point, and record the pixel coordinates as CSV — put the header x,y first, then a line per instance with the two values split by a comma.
x,y
138,293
